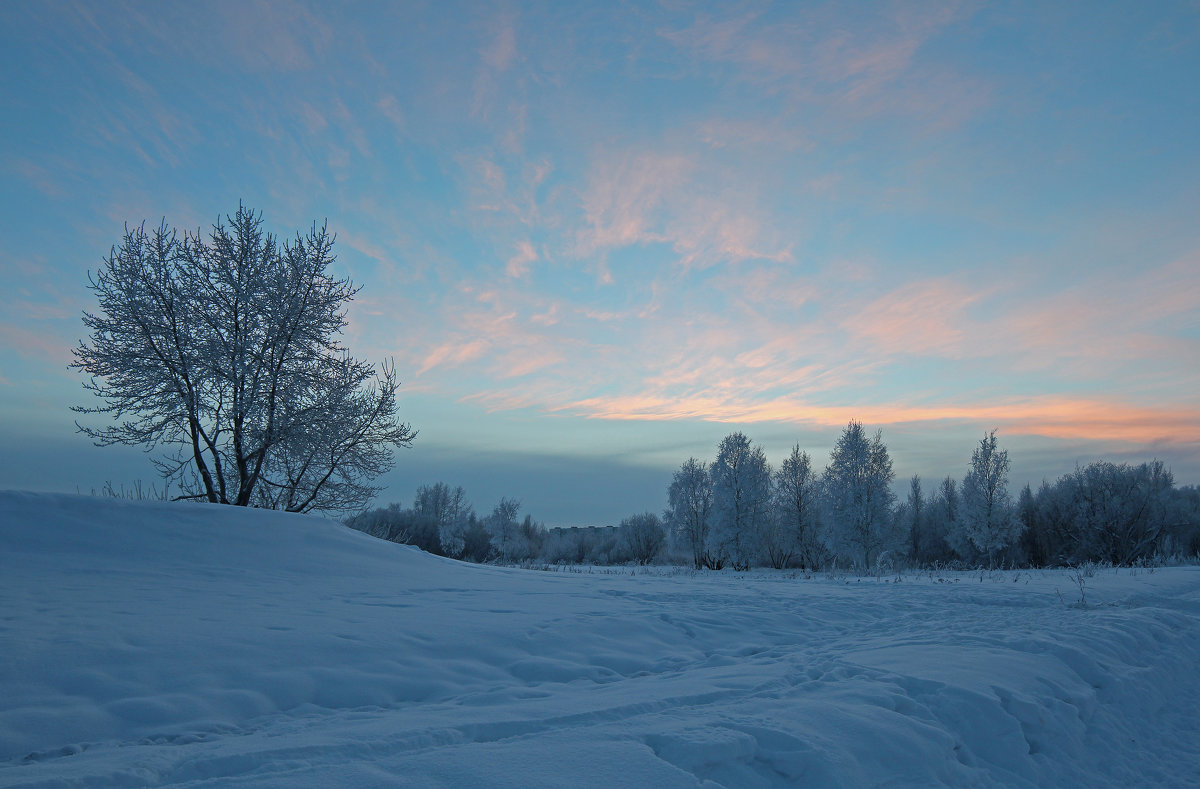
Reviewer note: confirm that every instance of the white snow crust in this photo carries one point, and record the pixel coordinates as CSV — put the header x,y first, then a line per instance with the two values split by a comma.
x,y
150,644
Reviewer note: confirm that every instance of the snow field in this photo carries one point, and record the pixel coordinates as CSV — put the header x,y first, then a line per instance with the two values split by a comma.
x,y
154,644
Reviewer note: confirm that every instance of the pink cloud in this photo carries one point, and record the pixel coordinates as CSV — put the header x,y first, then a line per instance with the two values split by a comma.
x,y
496,57
1070,418
623,198
859,70
549,317
453,354
518,265
924,317
523,361
366,247
772,286
1105,320
648,198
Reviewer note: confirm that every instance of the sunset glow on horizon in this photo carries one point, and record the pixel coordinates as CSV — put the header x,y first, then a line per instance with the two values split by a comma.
x,y
596,237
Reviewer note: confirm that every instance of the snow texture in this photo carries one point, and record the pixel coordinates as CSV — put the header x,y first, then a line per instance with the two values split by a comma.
x,y
152,644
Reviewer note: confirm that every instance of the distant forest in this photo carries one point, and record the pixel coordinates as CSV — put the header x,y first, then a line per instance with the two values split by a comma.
x,y
739,512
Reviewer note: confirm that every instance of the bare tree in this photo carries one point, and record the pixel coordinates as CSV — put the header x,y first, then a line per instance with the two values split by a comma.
x,y
225,352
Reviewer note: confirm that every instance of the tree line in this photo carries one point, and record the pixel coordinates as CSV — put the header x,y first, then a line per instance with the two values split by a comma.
x,y
739,511
442,521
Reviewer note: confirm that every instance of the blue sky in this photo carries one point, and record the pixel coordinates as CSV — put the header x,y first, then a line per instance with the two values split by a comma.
x,y
597,237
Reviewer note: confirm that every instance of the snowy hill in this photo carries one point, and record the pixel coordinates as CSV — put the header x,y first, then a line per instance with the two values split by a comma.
x,y
155,644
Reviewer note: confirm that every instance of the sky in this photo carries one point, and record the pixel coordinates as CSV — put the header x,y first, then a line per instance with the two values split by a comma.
x,y
598,237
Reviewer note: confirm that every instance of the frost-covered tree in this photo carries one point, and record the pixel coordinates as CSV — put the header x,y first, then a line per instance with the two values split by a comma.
x,y
1183,519
792,533
477,542
916,518
948,498
447,508
642,536
225,351
987,518
1104,511
1035,543
508,541
741,483
858,497
941,515
689,512
1121,511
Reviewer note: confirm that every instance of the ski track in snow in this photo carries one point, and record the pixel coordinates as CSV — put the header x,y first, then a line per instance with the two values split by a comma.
x,y
175,645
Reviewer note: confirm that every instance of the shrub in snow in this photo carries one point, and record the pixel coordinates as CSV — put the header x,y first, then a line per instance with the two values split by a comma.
x,y
396,524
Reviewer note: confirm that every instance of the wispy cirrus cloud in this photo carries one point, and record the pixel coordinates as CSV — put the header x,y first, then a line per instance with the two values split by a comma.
x,y
850,64
1114,315
518,265
771,361
636,198
926,317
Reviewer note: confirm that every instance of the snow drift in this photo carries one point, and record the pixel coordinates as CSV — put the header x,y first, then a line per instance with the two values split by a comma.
x,y
156,644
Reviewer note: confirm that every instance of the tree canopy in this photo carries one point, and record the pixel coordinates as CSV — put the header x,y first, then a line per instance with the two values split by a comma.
x,y
225,352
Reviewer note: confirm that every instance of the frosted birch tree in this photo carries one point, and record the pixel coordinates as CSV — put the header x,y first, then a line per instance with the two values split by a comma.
x,y
792,532
741,482
689,511
508,541
986,516
858,497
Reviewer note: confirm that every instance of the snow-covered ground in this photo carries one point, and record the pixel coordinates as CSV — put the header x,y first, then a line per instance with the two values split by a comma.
x,y
155,644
